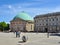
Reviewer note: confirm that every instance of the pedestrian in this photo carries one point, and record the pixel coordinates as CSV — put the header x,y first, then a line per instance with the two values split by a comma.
x,y
16,33
19,33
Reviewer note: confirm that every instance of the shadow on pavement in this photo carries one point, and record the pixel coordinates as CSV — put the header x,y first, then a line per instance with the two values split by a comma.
x,y
21,42
58,42
54,34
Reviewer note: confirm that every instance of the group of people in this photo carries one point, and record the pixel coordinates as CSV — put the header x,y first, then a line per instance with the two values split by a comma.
x,y
17,32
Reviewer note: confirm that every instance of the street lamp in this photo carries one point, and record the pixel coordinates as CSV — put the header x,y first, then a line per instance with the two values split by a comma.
x,y
47,28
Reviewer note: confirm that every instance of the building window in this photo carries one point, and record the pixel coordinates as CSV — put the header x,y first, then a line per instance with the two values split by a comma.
x,y
46,24
53,19
35,20
53,23
42,20
57,19
40,24
37,24
49,19
46,20
49,23
31,27
39,18
43,24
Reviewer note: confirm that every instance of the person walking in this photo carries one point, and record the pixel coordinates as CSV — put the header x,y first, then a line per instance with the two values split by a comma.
x,y
17,33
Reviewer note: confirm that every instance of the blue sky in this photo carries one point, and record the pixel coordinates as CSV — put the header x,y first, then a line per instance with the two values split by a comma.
x,y
9,8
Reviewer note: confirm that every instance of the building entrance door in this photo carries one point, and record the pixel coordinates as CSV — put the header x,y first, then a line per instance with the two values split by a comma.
x,y
46,30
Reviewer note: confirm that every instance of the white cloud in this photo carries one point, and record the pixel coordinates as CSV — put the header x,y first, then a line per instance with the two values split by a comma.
x,y
57,9
9,6
19,7
14,9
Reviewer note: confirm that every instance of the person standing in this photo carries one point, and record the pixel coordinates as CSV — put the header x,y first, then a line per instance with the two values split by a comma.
x,y
17,33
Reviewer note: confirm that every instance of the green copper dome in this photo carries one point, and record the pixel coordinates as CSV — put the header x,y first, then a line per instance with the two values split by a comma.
x,y
23,16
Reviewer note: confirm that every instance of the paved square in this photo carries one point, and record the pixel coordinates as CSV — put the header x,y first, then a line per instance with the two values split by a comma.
x,y
33,39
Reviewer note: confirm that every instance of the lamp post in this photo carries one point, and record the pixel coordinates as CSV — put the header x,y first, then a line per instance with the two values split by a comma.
x,y
56,25
47,28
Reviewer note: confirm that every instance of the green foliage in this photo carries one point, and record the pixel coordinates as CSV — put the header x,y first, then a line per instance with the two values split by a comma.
x,y
7,27
4,26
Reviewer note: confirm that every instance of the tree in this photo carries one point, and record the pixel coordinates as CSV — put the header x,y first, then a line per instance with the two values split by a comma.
x,y
3,25
7,27
0,27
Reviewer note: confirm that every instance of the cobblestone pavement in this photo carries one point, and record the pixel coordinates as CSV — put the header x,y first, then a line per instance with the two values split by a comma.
x,y
33,39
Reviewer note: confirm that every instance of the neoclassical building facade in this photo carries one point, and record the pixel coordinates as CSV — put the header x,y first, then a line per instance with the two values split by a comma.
x,y
47,22
22,22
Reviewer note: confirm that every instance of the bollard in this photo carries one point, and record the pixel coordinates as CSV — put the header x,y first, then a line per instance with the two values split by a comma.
x,y
24,38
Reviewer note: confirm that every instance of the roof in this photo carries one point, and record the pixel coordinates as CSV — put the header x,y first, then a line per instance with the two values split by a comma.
x,y
48,14
24,16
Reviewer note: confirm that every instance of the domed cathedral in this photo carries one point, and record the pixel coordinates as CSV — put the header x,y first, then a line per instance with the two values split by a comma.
x,y
22,22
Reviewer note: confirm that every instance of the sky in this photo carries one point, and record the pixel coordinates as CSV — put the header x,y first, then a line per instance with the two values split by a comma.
x,y
10,8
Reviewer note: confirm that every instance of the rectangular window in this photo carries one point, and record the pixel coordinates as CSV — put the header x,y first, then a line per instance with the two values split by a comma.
x,y
49,19
46,20
46,24
53,19
31,27
42,20
35,20
57,19
40,24
43,24
53,23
